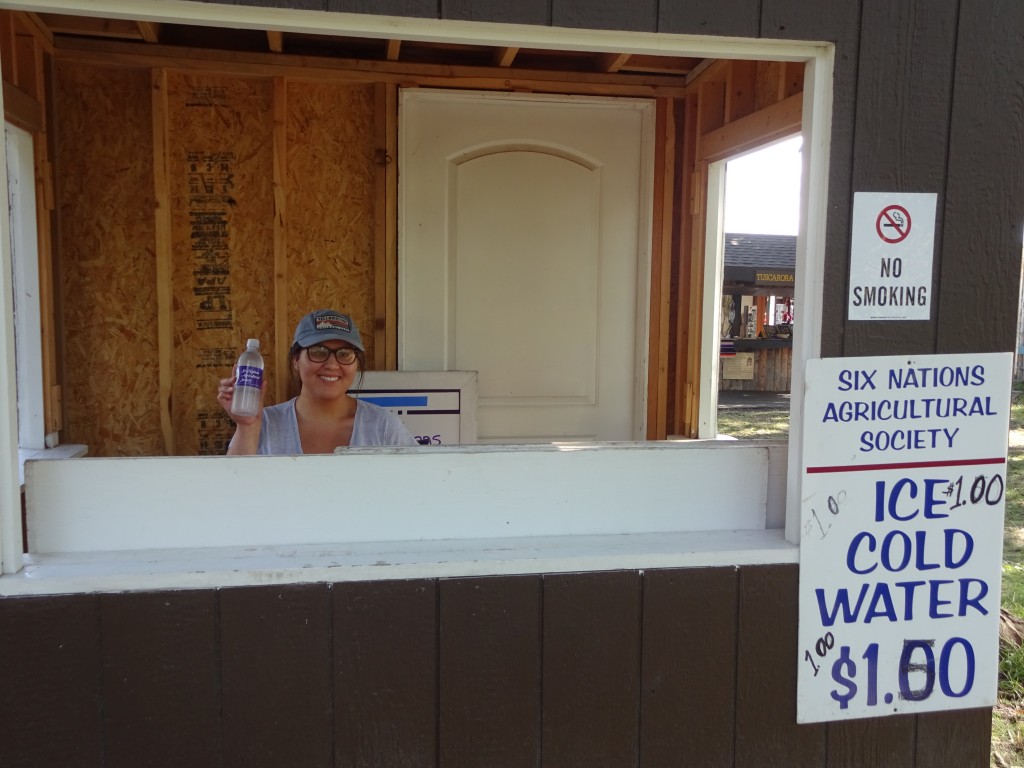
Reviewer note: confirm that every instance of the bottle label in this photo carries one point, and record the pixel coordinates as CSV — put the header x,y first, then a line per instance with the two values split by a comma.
x,y
249,376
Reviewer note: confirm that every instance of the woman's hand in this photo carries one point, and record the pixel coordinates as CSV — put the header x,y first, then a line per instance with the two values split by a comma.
x,y
245,441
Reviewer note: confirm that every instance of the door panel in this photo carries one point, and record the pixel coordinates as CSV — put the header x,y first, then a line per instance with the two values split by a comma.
x,y
522,257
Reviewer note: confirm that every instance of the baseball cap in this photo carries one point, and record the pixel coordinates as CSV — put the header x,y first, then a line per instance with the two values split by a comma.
x,y
325,324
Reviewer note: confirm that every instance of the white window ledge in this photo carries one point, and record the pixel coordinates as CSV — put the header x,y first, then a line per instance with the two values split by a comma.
x,y
202,568
69,451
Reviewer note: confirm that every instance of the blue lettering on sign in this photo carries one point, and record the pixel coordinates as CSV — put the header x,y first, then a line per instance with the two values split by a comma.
x,y
880,600
907,409
930,501
856,380
947,376
906,439
917,672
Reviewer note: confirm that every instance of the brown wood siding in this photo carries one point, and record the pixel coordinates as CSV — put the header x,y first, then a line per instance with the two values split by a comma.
x,y
638,15
277,689
425,8
591,650
520,12
51,706
385,673
159,672
734,18
673,667
689,609
901,130
980,251
489,672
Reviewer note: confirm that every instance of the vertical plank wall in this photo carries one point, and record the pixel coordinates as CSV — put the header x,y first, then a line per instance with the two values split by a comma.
x,y
692,667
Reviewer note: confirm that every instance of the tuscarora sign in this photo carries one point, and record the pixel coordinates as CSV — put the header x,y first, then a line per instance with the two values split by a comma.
x,y
904,478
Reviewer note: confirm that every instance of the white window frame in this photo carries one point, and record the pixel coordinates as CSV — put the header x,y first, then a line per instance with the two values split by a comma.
x,y
818,85
28,334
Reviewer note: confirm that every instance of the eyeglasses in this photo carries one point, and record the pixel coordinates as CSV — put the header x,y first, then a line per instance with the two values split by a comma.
x,y
319,354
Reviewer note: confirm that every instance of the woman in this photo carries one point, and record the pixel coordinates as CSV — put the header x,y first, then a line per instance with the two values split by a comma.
x,y
327,354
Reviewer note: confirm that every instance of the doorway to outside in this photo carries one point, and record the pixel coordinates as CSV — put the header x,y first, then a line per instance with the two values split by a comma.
x,y
758,314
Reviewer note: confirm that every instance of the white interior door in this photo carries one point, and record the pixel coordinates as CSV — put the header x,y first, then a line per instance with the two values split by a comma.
x,y
524,255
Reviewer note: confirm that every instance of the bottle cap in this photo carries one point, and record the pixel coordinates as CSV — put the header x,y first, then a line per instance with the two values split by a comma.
x,y
253,343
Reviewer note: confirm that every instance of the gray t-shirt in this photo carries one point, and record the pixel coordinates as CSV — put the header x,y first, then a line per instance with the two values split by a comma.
x,y
279,432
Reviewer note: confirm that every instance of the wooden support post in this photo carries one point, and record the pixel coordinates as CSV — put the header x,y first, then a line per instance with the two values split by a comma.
x,y
164,282
687,336
661,270
52,411
282,330
380,227
391,228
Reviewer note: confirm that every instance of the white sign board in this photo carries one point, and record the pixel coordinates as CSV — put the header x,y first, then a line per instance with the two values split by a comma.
x,y
891,256
438,407
904,474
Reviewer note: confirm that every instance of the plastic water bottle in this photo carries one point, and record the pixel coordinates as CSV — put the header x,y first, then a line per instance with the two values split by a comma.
x,y
248,381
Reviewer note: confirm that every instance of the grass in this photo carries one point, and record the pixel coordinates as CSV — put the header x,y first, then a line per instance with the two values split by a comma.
x,y
754,423
1008,715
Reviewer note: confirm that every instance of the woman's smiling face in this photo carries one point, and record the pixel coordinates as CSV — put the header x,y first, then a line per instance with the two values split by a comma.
x,y
330,378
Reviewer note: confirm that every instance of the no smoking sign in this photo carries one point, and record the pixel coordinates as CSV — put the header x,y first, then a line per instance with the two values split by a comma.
x,y
891,256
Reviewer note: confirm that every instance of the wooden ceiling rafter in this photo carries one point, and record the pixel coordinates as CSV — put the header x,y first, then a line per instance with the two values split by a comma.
x,y
405,73
69,27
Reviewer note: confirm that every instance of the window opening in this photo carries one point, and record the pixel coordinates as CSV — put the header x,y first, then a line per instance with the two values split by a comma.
x,y
758,312
815,125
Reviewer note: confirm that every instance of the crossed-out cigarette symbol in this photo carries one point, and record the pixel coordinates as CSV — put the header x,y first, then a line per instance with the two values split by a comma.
x,y
893,224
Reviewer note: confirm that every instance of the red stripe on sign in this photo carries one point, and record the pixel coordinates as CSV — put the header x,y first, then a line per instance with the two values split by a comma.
x,y
904,465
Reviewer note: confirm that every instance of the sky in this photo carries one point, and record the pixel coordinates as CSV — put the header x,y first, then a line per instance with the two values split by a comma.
x,y
762,190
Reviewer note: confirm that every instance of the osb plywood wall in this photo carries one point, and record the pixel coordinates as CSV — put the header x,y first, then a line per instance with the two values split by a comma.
x,y
106,256
220,173
232,272
330,222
